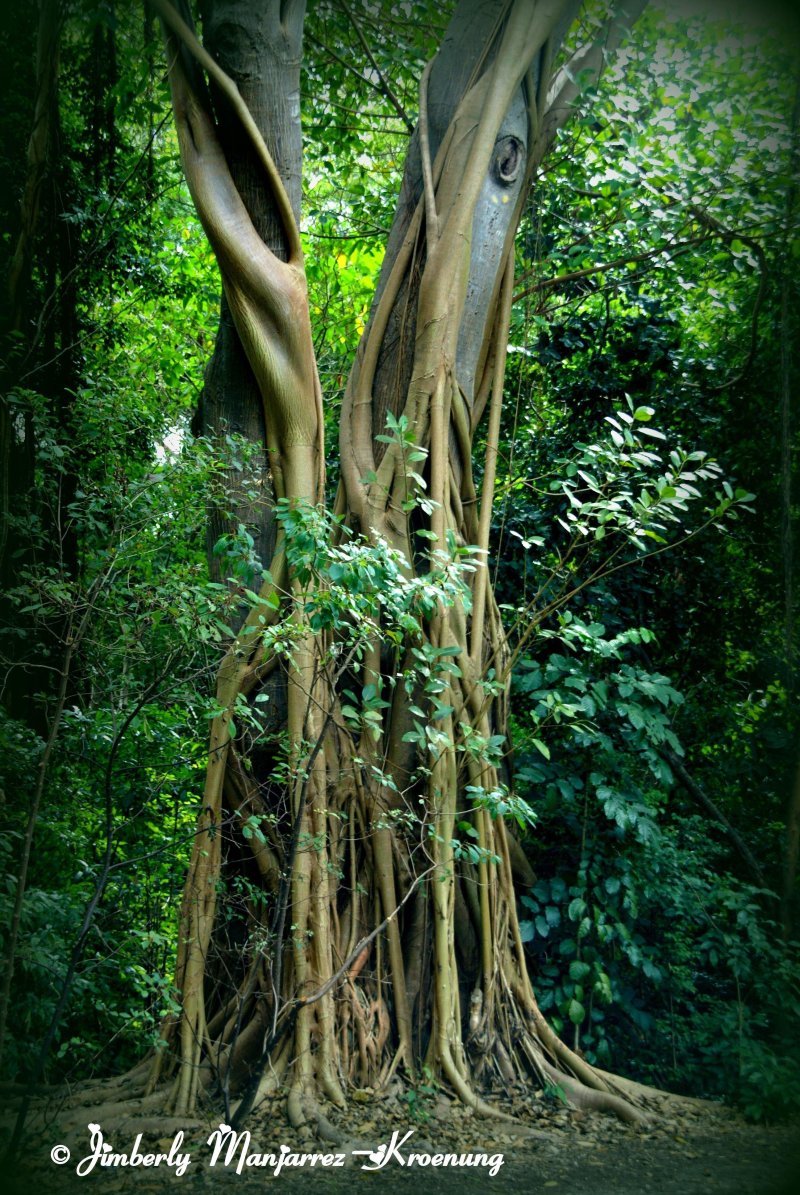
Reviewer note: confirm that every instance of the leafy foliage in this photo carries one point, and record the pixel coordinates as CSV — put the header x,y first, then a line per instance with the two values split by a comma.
x,y
657,284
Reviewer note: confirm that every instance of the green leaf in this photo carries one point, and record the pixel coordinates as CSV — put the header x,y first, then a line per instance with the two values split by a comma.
x,y
578,970
576,1012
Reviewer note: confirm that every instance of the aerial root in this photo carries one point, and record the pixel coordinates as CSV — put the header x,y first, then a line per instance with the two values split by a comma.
x,y
654,1097
325,1130
304,1112
599,1096
109,1110
468,1096
131,1085
156,1126
294,1107
273,1073
589,1098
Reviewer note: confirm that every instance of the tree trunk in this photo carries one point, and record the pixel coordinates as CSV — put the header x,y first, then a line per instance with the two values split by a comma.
x,y
789,376
378,927
262,55
16,459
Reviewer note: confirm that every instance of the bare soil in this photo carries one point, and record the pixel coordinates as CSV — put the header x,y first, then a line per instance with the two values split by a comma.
x,y
692,1150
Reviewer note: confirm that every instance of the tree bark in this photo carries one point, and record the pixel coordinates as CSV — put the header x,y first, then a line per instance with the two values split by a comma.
x,y
259,46
16,460
789,374
345,998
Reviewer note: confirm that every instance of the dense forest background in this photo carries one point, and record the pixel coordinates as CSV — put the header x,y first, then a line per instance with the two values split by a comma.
x,y
643,544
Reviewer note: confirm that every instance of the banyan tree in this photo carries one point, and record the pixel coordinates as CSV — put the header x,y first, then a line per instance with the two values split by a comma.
x,y
349,912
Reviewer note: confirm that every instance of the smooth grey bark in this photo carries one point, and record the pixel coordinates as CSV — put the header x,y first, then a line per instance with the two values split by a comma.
x,y
466,49
457,63
260,47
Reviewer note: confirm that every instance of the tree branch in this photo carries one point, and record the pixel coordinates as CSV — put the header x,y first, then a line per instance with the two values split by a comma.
x,y
587,61
701,797
384,87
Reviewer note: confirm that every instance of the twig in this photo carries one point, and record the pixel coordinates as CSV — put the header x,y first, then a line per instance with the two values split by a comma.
x,y
384,85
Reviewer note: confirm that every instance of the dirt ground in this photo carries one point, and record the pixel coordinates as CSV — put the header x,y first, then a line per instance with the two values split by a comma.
x,y
702,1151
